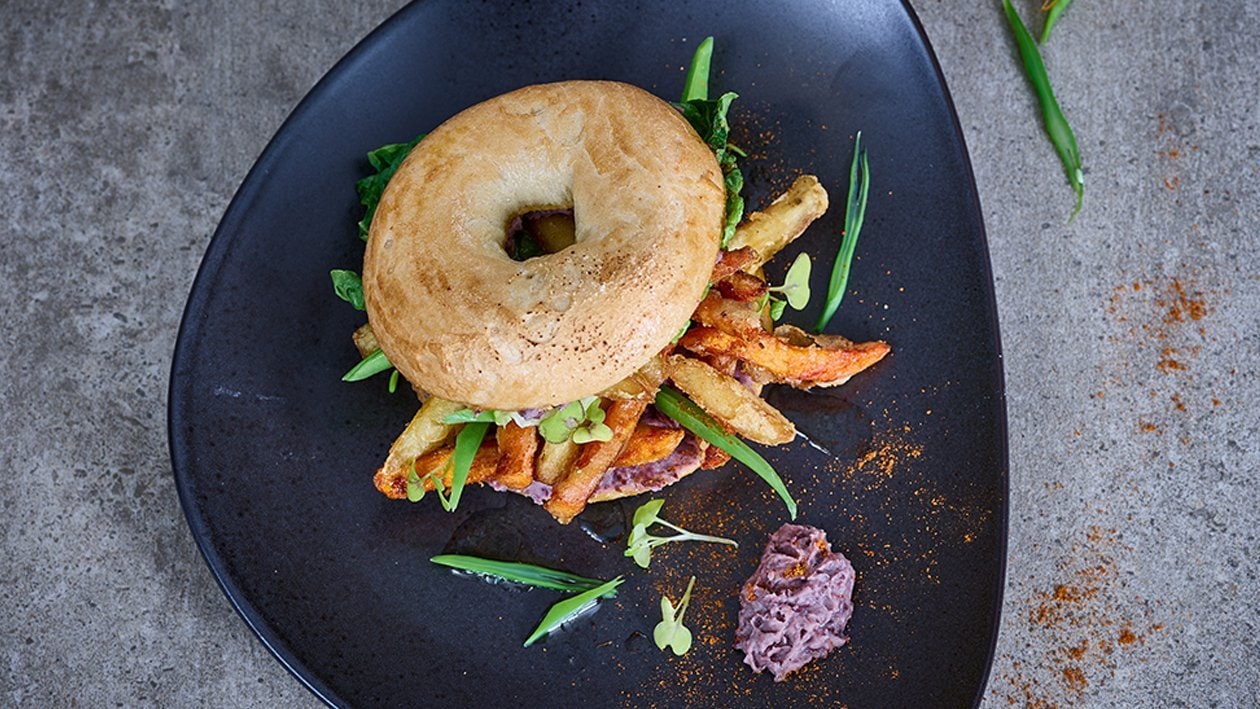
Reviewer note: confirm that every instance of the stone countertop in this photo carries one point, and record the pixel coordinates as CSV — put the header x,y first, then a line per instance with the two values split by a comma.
x,y
1131,338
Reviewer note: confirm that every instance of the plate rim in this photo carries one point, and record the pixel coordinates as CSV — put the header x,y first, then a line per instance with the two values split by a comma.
x,y
214,257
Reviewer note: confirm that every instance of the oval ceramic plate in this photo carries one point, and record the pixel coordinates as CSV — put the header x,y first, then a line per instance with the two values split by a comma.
x,y
274,455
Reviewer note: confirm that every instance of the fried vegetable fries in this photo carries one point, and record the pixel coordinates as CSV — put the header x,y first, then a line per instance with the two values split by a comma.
x,y
721,363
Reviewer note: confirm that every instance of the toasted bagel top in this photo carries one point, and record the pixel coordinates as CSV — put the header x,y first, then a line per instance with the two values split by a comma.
x,y
459,318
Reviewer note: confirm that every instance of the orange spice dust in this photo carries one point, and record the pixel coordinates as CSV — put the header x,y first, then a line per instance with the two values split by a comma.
x,y
1074,621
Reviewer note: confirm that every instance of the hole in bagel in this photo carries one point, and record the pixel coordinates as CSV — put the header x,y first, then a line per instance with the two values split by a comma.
x,y
539,232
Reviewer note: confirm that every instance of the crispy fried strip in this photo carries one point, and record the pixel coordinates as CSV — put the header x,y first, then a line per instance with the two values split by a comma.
x,y
365,340
787,217
643,383
484,467
714,457
827,361
517,446
730,402
732,261
570,494
425,433
742,286
555,460
649,444
730,316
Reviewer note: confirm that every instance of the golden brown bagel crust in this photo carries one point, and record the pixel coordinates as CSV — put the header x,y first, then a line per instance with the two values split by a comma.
x,y
462,320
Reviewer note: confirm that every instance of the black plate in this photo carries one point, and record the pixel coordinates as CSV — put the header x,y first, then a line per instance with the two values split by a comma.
x,y
274,455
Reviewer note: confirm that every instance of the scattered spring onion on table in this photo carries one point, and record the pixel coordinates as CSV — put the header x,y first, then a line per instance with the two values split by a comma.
x,y
1054,9
678,407
1056,124
854,215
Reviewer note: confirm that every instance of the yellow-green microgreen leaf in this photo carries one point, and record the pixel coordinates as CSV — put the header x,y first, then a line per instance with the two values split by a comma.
x,y
640,543
776,308
796,284
415,491
671,632
571,608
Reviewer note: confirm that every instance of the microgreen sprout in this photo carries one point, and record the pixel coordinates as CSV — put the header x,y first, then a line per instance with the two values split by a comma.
x,y
671,632
795,288
582,421
640,545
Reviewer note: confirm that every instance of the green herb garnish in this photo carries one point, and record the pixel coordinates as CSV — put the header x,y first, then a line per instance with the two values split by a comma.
x,y
710,120
1053,9
571,608
795,288
374,363
385,160
854,215
498,418
518,572
467,443
696,85
393,381
640,545
582,421
685,411
671,632
1055,123
348,286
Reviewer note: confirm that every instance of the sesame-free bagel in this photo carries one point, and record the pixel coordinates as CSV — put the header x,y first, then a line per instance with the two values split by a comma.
x,y
462,320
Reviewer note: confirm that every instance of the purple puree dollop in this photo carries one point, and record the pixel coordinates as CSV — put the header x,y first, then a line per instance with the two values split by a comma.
x,y
796,604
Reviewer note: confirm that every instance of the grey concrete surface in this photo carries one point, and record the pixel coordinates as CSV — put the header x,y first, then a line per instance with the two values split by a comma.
x,y
1132,339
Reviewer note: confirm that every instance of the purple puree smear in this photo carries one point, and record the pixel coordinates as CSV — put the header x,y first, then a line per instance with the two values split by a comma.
x,y
796,604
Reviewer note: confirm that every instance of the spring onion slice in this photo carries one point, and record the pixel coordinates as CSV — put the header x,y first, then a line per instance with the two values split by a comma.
x,y
686,412
374,363
467,442
1053,9
696,86
518,572
1056,124
854,216
570,608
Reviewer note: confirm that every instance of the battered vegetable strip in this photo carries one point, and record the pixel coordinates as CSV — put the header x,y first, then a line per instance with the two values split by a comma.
x,y
648,444
425,433
365,340
424,472
824,360
569,495
732,261
555,460
517,446
640,385
731,403
778,225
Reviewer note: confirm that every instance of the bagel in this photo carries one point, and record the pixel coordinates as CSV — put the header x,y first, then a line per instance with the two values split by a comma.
x,y
461,319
